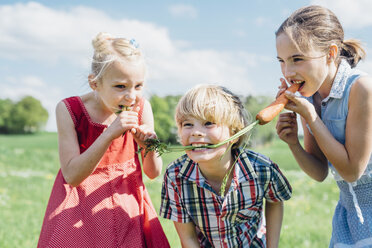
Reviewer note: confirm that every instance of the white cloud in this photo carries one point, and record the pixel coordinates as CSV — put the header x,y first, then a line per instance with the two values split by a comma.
x,y
33,81
262,21
184,11
37,32
240,33
351,13
231,69
365,65
52,37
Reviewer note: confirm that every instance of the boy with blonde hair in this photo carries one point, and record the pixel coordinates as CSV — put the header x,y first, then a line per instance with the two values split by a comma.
x,y
216,196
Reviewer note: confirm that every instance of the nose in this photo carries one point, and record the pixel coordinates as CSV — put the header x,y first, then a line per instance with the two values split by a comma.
x,y
130,95
288,71
197,133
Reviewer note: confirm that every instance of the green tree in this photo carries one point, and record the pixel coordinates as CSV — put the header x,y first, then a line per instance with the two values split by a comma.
x,y
163,109
6,106
24,116
261,134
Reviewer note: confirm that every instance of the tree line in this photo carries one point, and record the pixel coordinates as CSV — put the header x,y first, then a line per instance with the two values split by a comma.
x,y
29,116
24,116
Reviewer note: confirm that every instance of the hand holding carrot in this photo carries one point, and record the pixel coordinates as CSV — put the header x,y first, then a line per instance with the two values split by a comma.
x,y
301,106
268,114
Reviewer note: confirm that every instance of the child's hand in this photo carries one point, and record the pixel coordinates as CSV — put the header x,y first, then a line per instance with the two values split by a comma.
x,y
142,133
125,121
287,128
283,87
301,106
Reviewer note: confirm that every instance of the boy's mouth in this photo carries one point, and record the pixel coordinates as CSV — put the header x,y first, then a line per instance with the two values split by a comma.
x,y
200,146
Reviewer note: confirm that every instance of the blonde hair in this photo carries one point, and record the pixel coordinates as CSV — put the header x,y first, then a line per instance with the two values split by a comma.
x,y
215,104
108,49
318,27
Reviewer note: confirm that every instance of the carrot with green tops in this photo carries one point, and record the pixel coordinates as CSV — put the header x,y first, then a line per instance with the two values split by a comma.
x,y
263,117
267,114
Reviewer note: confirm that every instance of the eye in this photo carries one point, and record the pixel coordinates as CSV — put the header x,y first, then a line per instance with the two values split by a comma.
x,y
139,86
209,123
186,124
280,61
297,59
120,86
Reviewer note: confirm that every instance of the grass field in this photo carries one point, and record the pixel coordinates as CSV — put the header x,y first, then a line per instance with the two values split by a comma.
x,y
28,165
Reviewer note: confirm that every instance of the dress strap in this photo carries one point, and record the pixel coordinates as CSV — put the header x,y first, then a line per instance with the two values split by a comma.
x,y
74,108
356,204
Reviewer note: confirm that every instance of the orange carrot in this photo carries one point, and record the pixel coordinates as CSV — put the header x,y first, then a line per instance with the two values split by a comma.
x,y
267,114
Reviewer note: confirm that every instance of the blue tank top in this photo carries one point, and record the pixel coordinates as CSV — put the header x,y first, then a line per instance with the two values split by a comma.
x,y
334,110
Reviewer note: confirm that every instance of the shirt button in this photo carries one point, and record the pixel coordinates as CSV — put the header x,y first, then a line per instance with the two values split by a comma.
x,y
324,103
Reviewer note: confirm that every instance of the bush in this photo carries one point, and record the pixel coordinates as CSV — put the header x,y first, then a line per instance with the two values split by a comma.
x,y
261,134
24,116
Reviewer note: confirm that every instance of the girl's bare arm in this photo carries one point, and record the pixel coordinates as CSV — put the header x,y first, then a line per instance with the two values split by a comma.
x,y
75,166
350,160
152,163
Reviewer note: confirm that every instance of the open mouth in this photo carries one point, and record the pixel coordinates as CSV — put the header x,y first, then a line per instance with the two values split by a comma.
x,y
199,147
122,108
125,108
298,82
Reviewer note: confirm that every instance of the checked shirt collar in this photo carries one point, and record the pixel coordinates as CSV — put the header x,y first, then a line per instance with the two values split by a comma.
x,y
243,170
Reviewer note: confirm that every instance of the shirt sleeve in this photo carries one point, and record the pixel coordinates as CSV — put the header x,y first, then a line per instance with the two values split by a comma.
x,y
278,188
171,202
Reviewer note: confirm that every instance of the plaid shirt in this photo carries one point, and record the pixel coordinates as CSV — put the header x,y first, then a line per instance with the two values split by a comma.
x,y
232,221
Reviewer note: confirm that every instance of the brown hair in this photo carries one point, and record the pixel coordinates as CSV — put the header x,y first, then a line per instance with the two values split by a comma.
x,y
318,27
216,104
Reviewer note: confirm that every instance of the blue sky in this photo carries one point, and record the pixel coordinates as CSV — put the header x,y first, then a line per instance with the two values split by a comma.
x,y
46,45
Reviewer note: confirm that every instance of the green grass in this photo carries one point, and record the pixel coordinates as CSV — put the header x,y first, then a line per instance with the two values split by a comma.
x,y
29,163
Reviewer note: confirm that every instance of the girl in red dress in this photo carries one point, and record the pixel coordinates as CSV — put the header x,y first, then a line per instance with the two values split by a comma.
x,y
98,198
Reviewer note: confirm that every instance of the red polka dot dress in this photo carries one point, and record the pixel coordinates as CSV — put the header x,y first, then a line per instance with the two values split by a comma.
x,y
110,208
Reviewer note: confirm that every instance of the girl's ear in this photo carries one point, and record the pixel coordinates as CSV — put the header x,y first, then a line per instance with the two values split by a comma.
x,y
92,82
332,53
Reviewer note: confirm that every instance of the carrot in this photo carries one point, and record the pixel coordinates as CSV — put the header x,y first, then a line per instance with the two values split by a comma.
x,y
267,114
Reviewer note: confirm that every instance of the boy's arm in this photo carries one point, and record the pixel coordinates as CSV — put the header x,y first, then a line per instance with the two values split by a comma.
x,y
274,218
187,234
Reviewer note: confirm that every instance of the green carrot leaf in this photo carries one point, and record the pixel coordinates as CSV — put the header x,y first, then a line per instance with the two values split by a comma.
x,y
161,148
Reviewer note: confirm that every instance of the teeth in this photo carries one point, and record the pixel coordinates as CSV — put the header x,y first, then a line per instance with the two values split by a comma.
x,y
198,149
197,145
297,81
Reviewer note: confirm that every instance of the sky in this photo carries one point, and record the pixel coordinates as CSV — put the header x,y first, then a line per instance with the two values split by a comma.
x,y
46,46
